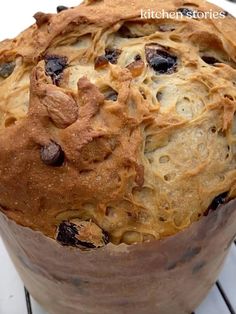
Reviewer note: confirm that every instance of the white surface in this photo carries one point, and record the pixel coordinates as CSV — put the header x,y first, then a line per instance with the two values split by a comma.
x,y
36,308
213,304
12,297
228,277
16,16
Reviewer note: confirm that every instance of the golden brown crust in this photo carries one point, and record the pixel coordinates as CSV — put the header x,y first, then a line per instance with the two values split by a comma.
x,y
142,166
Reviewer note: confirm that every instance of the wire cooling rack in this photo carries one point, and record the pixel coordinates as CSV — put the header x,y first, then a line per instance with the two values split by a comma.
x,y
15,299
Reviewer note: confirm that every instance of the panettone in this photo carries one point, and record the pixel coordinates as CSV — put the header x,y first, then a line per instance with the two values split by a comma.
x,y
116,127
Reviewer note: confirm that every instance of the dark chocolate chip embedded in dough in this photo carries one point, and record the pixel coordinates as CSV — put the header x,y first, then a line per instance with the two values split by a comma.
x,y
6,69
225,13
54,67
69,234
66,233
61,8
160,60
137,58
112,55
52,155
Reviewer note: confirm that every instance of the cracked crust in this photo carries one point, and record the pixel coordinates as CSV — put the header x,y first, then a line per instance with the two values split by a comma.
x,y
141,166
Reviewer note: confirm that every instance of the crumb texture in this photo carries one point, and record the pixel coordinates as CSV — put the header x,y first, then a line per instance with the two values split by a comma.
x,y
115,128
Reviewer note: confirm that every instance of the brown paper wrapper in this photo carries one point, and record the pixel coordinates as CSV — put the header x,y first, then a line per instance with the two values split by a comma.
x,y
168,276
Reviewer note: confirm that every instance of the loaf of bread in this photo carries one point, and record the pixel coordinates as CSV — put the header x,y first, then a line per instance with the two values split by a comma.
x,y
115,127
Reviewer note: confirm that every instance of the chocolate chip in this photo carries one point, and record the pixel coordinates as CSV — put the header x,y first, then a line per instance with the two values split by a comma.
x,y
54,66
112,55
225,13
186,12
61,8
6,69
82,234
137,58
52,155
66,234
160,59
218,200
210,60
110,94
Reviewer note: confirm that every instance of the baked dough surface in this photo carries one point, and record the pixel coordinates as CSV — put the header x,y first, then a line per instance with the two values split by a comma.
x,y
116,123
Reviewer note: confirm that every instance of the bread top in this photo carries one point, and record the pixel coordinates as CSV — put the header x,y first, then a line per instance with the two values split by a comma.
x,y
117,128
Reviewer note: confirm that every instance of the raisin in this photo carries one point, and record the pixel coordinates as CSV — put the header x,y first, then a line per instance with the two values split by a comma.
x,y
54,66
186,12
6,69
112,55
136,67
210,60
100,62
61,8
160,60
52,155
